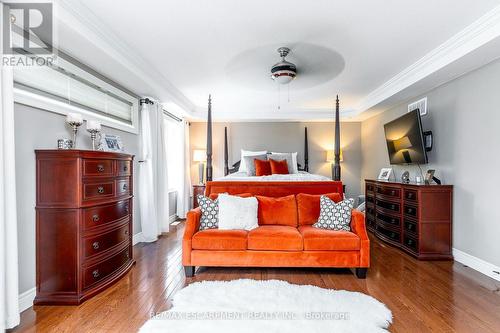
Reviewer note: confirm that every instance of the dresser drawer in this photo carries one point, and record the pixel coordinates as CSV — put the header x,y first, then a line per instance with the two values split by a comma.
x,y
389,191
99,244
105,215
93,167
98,190
410,211
122,187
369,187
389,206
388,219
99,271
410,195
410,226
410,243
392,235
123,168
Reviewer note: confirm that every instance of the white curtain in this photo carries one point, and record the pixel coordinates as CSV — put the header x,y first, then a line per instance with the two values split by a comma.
x,y
184,196
162,172
147,189
9,303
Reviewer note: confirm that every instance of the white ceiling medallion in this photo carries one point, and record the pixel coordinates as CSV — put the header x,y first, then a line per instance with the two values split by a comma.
x,y
284,71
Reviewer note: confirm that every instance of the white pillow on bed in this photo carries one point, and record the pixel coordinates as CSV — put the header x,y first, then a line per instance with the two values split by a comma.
x,y
237,212
295,167
243,167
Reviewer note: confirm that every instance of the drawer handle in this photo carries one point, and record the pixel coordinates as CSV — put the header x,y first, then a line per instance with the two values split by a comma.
x,y
393,192
95,218
100,189
124,187
393,235
410,210
128,255
95,245
410,242
100,168
125,168
95,274
393,220
127,209
126,232
393,207
410,195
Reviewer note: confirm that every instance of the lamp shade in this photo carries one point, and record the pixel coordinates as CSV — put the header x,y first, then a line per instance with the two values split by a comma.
x,y
330,155
199,155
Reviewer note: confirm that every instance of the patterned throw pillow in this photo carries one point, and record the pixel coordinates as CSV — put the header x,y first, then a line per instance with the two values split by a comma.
x,y
334,216
209,212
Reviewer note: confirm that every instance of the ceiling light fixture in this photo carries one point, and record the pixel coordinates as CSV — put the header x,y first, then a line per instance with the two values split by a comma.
x,y
284,71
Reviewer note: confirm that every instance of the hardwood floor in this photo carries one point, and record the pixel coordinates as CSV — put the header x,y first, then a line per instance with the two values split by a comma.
x,y
423,296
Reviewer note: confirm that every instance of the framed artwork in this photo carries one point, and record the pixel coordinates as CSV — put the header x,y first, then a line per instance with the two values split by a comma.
x,y
109,142
385,174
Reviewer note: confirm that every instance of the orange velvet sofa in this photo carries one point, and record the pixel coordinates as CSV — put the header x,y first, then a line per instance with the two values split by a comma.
x,y
285,238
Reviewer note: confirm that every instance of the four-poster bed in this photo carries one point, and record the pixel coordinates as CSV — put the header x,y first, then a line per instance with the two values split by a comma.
x,y
235,182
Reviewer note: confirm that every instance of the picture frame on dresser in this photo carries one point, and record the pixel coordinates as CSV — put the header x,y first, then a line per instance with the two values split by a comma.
x,y
83,223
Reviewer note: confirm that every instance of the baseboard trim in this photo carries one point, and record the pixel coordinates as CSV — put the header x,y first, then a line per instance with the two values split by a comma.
x,y
137,238
26,299
477,264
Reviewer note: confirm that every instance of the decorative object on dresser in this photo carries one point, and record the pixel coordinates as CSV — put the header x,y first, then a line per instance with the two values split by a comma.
x,y
83,223
197,189
385,174
93,127
415,217
111,143
74,120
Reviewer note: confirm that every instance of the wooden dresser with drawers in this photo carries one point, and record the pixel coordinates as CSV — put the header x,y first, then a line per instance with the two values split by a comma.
x,y
83,223
415,217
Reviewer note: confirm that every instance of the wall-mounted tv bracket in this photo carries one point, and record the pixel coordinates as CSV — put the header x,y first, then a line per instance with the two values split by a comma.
x,y
428,140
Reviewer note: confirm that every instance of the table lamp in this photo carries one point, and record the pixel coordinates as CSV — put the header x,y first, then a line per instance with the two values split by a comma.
x,y
200,156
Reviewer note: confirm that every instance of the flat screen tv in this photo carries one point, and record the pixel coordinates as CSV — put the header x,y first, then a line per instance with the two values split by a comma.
x,y
405,139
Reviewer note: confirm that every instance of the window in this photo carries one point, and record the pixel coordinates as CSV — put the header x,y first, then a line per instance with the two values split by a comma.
x,y
66,87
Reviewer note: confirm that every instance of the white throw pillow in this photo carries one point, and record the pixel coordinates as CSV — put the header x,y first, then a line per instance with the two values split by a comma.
x,y
295,167
243,167
237,212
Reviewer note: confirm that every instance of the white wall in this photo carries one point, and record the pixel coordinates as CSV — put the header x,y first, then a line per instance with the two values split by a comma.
x,y
464,116
285,137
39,129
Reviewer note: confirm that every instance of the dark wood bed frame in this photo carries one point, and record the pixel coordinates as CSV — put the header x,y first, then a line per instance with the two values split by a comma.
x,y
236,166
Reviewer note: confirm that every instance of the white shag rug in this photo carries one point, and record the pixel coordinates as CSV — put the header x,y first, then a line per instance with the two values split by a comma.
x,y
242,306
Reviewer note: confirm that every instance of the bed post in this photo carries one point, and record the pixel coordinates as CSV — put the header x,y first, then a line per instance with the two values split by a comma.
x,y
209,139
306,152
226,155
336,166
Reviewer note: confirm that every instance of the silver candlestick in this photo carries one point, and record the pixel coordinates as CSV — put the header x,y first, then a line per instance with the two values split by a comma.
x,y
93,135
74,126
74,120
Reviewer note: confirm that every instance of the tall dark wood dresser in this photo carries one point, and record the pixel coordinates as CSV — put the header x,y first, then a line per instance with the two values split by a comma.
x,y
83,223
414,217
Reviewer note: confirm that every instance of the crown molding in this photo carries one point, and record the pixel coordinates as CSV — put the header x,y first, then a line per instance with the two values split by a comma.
x,y
76,15
477,34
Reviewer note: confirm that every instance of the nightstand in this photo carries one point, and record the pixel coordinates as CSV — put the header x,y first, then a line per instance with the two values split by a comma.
x,y
197,189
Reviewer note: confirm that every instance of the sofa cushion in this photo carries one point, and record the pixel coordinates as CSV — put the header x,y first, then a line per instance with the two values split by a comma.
x,y
329,240
215,239
277,211
308,206
275,238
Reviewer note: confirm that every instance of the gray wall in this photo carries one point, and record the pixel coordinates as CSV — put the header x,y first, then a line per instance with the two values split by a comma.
x,y
284,136
464,117
39,129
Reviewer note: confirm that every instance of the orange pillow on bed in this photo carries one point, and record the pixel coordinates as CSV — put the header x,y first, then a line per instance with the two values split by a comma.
x,y
277,211
279,167
308,206
262,168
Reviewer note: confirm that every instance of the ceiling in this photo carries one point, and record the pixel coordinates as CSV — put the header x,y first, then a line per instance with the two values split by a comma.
x,y
181,51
